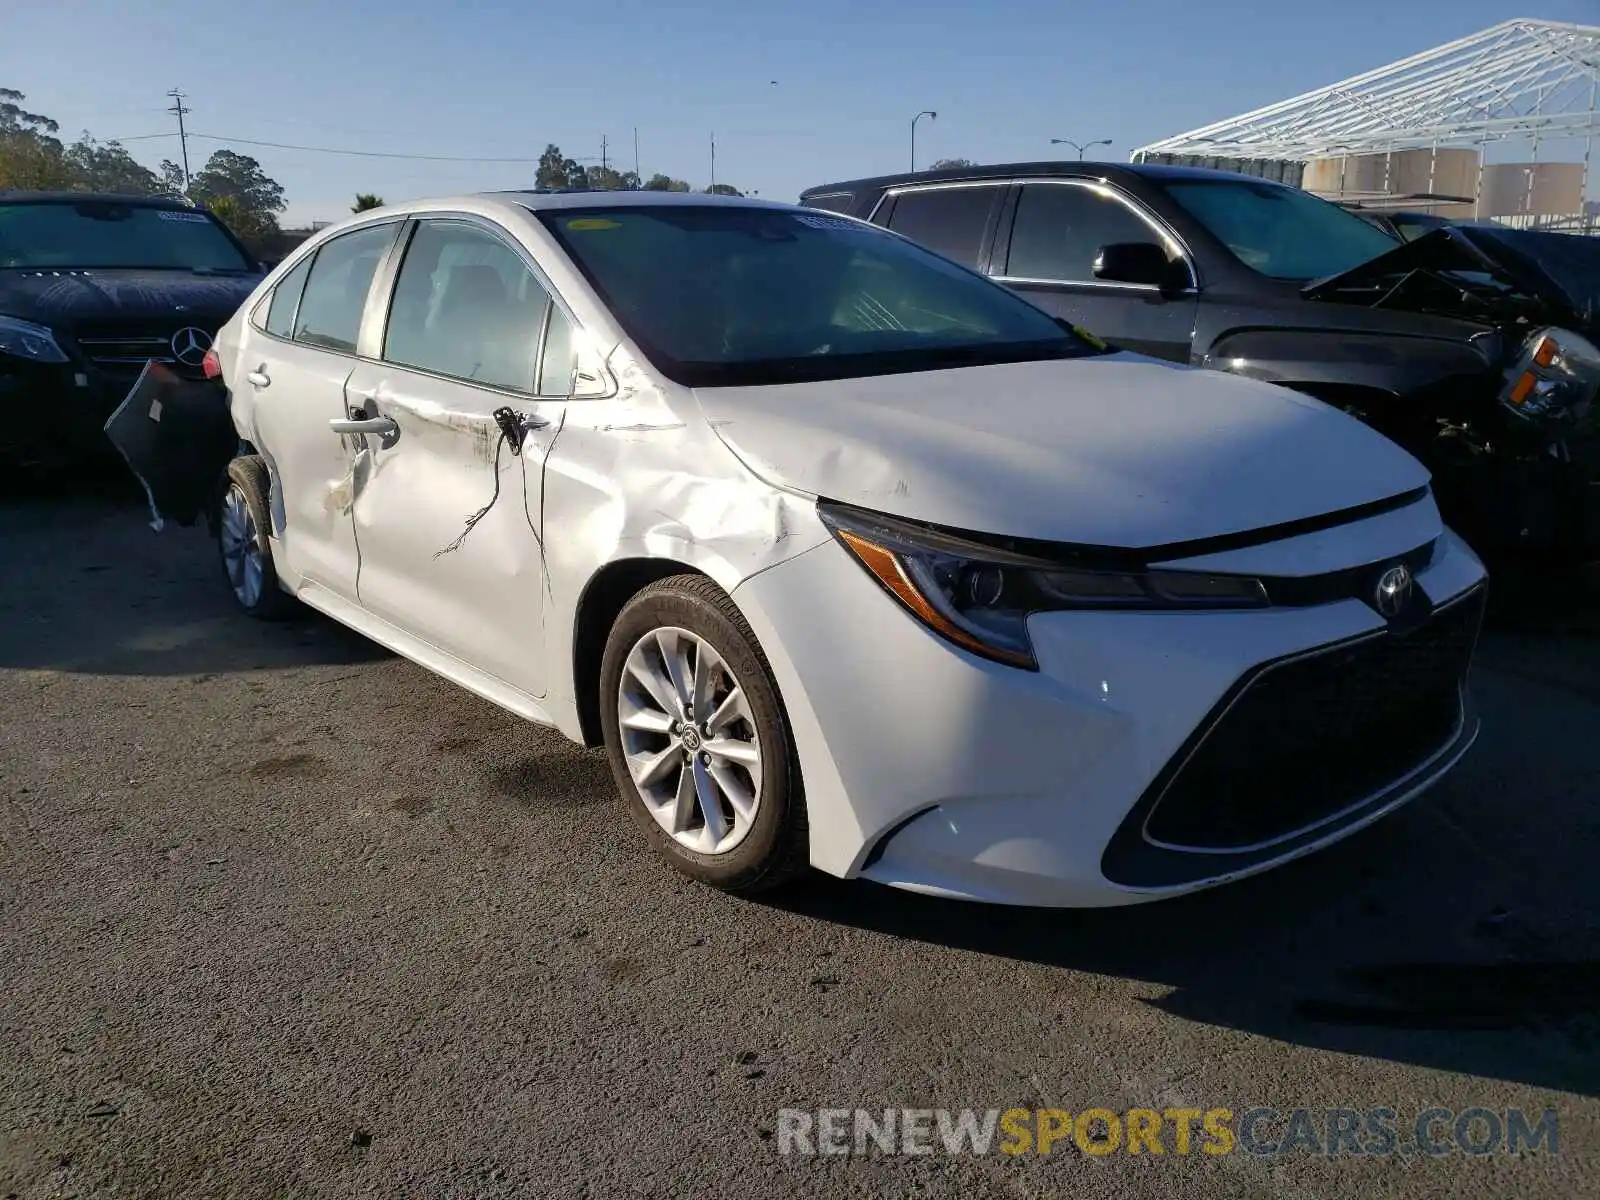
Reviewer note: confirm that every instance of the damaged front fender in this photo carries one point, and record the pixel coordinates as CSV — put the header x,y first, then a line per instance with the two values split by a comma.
x,y
616,488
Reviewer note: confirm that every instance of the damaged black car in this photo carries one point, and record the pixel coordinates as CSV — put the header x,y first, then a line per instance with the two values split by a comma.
x,y
92,288
1472,346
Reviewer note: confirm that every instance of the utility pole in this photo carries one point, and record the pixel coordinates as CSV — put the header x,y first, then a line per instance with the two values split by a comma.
x,y
636,155
603,164
713,160
179,109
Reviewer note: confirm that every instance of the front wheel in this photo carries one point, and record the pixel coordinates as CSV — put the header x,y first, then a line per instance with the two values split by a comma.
x,y
697,738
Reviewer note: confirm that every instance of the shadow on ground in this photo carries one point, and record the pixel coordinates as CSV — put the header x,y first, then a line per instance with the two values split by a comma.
x,y
88,587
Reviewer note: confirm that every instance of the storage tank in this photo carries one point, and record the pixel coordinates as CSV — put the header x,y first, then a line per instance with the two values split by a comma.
x,y
1552,189
1450,171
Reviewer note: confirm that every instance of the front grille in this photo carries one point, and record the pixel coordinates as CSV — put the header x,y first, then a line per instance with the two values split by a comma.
x,y
123,351
123,354
1303,740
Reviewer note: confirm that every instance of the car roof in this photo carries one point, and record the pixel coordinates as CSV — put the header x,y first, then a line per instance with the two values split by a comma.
x,y
1046,170
15,197
629,199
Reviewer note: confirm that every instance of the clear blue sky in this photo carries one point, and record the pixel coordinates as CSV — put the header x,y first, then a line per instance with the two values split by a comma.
x,y
469,78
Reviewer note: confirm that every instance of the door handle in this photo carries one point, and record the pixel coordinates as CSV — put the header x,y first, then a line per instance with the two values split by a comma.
x,y
378,425
259,378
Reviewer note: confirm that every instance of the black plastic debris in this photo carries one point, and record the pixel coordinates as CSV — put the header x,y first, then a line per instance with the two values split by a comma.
x,y
178,437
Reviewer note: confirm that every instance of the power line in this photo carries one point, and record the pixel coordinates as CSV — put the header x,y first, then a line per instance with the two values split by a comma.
x,y
212,137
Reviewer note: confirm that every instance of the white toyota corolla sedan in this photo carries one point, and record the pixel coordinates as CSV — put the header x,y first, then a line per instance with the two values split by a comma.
x,y
847,555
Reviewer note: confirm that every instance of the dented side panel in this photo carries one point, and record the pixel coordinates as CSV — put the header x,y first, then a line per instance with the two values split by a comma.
x,y
313,471
475,593
641,475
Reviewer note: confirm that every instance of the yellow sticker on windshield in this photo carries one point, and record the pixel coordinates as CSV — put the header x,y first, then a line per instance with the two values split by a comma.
x,y
1089,337
584,224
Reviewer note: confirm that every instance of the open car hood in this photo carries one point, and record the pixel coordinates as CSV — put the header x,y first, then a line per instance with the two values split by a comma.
x,y
1555,274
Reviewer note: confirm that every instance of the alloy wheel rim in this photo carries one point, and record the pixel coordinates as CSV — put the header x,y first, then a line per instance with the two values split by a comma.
x,y
241,548
690,740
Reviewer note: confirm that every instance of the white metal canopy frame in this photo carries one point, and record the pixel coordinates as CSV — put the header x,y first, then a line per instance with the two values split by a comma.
x,y
1522,79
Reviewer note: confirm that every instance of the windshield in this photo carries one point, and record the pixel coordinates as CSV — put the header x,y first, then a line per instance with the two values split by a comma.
x,y
723,294
1282,232
97,233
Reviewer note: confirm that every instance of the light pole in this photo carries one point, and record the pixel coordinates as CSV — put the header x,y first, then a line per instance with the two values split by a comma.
x,y
914,121
1078,148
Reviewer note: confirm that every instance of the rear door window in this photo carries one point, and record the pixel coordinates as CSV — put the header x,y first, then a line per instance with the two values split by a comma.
x,y
336,293
947,220
1060,228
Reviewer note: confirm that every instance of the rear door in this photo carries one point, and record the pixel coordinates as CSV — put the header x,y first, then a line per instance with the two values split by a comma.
x,y
295,363
448,517
956,220
1046,247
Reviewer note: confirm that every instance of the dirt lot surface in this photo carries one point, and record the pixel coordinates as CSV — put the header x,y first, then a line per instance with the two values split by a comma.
x,y
283,915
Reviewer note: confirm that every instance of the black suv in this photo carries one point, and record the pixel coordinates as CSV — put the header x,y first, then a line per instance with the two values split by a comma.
x,y
92,287
1471,346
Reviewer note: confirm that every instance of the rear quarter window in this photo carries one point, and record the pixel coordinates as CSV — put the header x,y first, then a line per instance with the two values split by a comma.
x,y
285,300
830,201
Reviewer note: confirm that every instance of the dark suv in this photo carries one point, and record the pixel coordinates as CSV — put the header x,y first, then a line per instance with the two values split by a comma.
x,y
1471,346
92,287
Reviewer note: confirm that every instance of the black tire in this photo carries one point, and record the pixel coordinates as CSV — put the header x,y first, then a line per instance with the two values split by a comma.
x,y
247,479
776,848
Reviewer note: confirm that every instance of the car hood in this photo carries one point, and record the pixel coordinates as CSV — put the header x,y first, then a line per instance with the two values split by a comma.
x,y
71,300
1551,277
1116,450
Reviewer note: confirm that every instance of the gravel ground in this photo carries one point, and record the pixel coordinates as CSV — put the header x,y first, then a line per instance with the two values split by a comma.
x,y
283,915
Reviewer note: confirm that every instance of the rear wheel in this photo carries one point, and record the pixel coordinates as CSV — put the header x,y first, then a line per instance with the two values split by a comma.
x,y
242,525
697,738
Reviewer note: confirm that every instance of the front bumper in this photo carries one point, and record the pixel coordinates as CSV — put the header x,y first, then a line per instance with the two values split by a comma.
x,y
928,769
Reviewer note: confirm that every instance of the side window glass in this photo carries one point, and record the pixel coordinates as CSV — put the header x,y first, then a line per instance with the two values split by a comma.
x,y
286,299
336,293
555,368
1059,229
831,201
466,305
948,221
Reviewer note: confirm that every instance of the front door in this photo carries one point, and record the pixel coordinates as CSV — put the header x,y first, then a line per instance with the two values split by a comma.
x,y
1055,234
448,515
295,369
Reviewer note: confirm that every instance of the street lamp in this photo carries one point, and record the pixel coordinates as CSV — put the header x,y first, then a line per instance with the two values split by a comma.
x,y
914,121
1078,148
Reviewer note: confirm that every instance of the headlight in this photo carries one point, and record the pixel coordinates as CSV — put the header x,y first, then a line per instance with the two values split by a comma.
x,y
980,596
1554,380
27,340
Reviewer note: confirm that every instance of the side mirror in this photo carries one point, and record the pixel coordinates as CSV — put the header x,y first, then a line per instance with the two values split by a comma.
x,y
1134,262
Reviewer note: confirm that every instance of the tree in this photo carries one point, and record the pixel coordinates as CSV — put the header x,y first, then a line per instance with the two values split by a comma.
x,y
31,155
107,167
665,183
723,189
256,198
365,202
951,164
604,179
556,170
170,178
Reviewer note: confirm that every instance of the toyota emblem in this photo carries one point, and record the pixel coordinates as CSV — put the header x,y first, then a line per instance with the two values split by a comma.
x,y
1393,591
189,345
